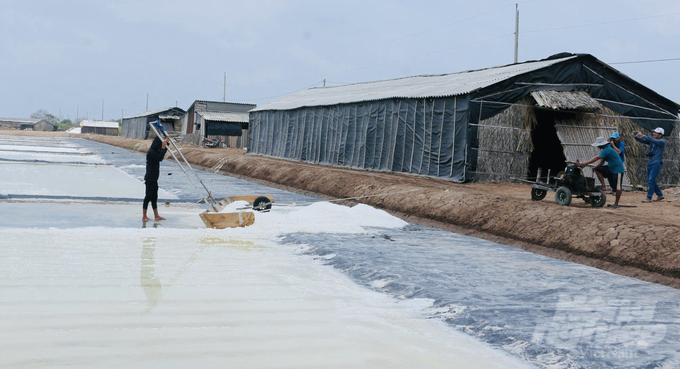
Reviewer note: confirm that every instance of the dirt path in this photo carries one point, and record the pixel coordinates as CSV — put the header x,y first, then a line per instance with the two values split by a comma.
x,y
642,241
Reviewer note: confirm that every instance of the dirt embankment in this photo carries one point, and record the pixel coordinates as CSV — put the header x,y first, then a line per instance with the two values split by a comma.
x,y
641,240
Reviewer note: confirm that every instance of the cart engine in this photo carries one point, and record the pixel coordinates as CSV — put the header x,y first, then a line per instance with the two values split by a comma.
x,y
574,179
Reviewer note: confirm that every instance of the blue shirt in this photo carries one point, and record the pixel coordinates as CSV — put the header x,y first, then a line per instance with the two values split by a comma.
x,y
656,148
622,147
612,158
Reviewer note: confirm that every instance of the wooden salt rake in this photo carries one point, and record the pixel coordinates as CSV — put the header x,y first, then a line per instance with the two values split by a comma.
x,y
212,217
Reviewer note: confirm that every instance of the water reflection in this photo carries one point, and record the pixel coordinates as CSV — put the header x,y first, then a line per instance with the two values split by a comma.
x,y
155,224
153,289
150,283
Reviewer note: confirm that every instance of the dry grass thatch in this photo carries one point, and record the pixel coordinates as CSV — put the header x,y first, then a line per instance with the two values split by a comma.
x,y
576,143
636,158
505,144
579,133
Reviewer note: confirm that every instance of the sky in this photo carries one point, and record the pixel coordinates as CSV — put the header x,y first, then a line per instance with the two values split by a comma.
x,y
100,59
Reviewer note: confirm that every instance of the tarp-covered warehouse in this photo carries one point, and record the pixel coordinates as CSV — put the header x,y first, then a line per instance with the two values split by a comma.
x,y
432,125
137,126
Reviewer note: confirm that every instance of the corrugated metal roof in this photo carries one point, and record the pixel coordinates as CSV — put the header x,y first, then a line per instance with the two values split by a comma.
x,y
567,100
98,123
20,120
152,112
409,87
224,116
221,102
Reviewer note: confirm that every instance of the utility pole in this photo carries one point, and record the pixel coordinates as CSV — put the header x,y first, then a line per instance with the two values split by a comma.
x,y
516,31
224,90
324,82
147,101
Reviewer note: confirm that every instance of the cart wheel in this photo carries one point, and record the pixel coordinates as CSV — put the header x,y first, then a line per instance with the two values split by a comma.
x,y
563,196
262,203
599,200
538,194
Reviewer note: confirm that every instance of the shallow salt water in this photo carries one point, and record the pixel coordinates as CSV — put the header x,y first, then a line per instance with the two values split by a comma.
x,y
310,284
83,285
113,297
72,180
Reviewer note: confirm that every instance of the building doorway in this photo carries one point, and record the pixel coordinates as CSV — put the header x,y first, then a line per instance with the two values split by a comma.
x,y
548,153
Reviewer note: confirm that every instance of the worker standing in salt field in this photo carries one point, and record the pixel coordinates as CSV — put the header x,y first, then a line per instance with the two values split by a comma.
x,y
154,157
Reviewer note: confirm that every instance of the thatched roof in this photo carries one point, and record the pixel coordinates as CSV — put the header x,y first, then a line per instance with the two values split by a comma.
x,y
565,100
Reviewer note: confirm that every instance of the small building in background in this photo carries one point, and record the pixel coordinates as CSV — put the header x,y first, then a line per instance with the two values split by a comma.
x,y
230,127
99,127
137,126
26,124
219,120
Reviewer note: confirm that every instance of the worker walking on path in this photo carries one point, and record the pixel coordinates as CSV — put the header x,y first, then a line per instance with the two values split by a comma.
x,y
154,157
656,147
609,155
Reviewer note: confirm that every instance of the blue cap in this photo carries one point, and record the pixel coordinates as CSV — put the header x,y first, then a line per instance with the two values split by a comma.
x,y
614,135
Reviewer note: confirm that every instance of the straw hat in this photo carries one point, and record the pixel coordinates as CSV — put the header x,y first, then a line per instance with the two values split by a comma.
x,y
600,141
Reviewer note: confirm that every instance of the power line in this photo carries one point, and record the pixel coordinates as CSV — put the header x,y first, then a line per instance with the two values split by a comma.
x,y
601,23
646,61
380,64
201,82
388,41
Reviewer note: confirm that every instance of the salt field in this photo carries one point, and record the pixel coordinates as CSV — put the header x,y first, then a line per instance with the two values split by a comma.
x,y
85,283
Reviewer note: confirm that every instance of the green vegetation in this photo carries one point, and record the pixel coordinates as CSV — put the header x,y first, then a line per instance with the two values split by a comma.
x,y
52,119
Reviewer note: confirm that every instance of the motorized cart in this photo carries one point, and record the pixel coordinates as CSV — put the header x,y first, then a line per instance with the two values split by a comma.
x,y
568,184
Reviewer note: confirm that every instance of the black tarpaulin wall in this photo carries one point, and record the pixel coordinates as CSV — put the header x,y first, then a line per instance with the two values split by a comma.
x,y
213,128
432,136
419,136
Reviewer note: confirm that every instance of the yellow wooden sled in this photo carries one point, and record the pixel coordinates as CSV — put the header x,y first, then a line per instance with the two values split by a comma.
x,y
214,219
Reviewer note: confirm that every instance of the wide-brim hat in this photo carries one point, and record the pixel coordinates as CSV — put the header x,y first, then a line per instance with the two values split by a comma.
x,y
600,141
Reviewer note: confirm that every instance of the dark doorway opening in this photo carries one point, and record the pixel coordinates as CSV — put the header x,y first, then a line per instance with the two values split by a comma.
x,y
548,153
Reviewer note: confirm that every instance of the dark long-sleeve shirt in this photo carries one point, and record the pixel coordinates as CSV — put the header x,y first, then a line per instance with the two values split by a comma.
x,y
656,148
153,160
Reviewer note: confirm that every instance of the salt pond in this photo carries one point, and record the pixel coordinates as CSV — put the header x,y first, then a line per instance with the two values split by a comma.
x,y
310,284
82,284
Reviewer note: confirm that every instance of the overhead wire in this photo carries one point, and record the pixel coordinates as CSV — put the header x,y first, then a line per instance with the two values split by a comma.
x,y
646,61
601,23
385,42
469,44
426,54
